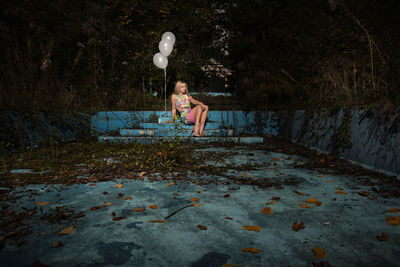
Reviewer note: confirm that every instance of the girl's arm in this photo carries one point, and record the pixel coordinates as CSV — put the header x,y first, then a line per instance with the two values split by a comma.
x,y
196,102
173,110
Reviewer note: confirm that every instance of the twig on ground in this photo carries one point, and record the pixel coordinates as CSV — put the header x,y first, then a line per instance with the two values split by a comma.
x,y
175,212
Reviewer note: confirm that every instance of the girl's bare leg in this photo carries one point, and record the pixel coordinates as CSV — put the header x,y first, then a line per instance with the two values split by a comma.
x,y
203,118
197,117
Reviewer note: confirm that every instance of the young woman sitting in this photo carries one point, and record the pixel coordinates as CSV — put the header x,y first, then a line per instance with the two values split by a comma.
x,y
181,101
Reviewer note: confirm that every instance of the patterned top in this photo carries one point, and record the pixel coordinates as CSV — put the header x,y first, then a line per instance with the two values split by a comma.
x,y
182,102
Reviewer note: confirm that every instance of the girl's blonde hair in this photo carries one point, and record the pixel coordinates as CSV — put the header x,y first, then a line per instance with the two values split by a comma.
x,y
178,86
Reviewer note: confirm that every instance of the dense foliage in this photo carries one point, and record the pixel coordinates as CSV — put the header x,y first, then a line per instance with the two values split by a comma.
x,y
96,55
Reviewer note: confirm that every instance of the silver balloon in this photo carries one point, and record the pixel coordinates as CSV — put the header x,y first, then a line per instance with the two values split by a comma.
x,y
160,61
169,36
165,47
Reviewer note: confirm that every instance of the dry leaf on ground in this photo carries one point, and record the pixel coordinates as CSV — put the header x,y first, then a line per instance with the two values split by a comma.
x,y
195,199
340,192
119,218
298,192
298,226
202,227
98,207
57,244
394,210
252,228
271,203
142,174
66,231
139,209
251,250
266,210
383,237
159,221
119,186
42,203
196,205
171,183
313,200
127,198
108,203
304,206
319,252
363,193
393,221
153,207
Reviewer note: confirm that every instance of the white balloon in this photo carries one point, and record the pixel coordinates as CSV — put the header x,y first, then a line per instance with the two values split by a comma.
x,y
160,61
165,47
169,36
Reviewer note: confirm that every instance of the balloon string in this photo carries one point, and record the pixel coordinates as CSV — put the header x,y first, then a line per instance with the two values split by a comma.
x,y
165,89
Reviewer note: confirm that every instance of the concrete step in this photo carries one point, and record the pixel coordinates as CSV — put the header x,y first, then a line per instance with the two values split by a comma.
x,y
165,132
154,125
153,140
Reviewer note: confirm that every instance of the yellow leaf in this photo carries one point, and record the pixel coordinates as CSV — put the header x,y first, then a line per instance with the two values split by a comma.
x,y
304,206
172,183
159,153
66,231
340,192
108,203
119,186
195,199
142,174
251,250
319,252
127,198
394,210
271,203
153,207
252,228
266,210
313,200
159,221
42,203
196,205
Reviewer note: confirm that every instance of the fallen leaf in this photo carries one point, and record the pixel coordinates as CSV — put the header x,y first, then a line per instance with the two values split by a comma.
x,y
322,161
277,159
275,198
338,188
266,210
227,195
159,153
202,227
245,175
119,186
119,218
300,193
228,218
394,210
251,250
108,203
42,203
128,198
298,226
66,231
313,200
271,203
139,209
363,193
159,221
196,205
142,174
393,221
57,244
153,207
304,206
383,237
341,192
252,228
171,183
98,207
319,252
93,184
194,199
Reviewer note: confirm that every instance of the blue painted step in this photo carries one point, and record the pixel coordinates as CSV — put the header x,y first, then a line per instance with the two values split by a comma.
x,y
155,125
153,140
171,132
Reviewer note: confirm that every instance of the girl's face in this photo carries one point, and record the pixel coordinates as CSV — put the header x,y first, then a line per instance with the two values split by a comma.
x,y
183,88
